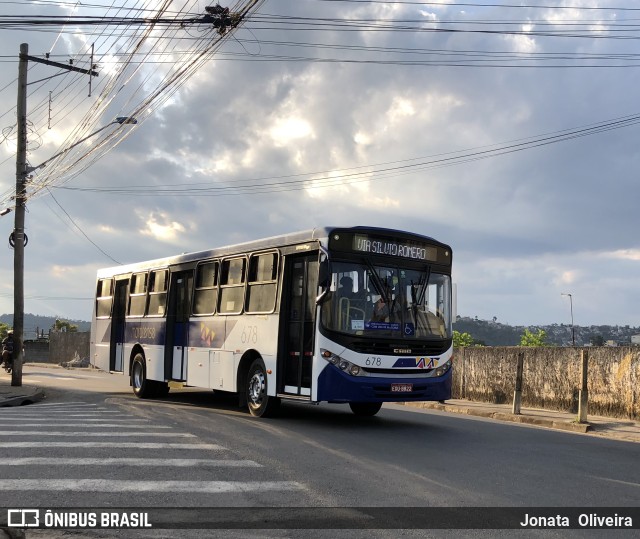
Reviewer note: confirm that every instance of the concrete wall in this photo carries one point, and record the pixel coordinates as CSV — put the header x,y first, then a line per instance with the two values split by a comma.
x,y
551,377
36,351
61,348
65,346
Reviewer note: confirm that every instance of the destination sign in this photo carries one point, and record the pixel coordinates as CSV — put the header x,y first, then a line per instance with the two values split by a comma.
x,y
367,244
380,245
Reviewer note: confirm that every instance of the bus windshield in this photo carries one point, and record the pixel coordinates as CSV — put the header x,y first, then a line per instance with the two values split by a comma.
x,y
388,301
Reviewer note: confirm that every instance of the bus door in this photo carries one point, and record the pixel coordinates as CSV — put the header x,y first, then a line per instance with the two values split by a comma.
x,y
118,318
300,287
177,331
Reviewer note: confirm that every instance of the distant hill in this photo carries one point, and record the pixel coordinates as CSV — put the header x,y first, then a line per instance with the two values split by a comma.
x,y
487,332
493,333
35,324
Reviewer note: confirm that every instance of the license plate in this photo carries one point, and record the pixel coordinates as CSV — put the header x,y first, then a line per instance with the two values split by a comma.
x,y
401,388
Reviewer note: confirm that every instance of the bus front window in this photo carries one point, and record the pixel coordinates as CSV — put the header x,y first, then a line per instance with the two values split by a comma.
x,y
388,301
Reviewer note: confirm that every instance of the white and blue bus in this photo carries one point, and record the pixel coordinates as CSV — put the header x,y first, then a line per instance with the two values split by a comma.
x,y
356,315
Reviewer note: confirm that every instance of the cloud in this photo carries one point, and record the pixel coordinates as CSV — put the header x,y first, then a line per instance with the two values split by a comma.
x,y
308,139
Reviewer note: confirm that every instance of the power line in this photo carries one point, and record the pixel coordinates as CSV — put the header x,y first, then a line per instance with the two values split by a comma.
x,y
365,173
80,229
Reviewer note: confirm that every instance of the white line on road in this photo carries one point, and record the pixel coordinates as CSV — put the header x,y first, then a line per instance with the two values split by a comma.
x,y
82,424
105,485
127,461
104,434
63,414
117,445
140,422
72,404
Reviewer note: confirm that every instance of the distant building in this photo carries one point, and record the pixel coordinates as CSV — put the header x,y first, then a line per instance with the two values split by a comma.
x,y
635,339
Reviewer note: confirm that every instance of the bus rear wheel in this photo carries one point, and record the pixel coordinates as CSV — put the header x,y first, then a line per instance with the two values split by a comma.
x,y
260,404
365,409
142,388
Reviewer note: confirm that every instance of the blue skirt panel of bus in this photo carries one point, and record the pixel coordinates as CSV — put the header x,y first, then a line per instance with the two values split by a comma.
x,y
335,385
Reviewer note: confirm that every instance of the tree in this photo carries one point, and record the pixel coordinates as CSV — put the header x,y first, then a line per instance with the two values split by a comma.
x,y
3,330
63,325
534,339
462,339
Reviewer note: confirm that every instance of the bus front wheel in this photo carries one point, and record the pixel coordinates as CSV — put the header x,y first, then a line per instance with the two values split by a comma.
x,y
142,388
260,404
367,409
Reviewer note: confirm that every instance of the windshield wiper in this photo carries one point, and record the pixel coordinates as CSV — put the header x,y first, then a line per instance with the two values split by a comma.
x,y
377,282
426,276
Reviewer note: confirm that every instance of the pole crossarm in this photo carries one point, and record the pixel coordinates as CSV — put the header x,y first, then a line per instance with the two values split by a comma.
x,y
62,66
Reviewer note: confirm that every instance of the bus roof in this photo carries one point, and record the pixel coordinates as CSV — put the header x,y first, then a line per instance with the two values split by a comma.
x,y
316,234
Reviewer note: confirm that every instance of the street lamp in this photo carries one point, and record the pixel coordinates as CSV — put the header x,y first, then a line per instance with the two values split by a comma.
x,y
18,236
573,330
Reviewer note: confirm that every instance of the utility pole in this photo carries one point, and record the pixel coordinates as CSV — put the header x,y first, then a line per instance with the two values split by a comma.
x,y
18,237
18,228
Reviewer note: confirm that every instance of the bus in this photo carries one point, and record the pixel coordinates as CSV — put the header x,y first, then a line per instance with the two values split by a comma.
x,y
357,315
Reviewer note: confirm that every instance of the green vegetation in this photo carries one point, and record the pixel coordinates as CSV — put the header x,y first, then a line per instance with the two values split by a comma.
x,y
3,330
63,325
529,338
494,333
462,339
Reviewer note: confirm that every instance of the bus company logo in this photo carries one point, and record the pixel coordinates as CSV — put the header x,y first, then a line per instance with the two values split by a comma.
x,y
416,363
402,350
23,518
305,247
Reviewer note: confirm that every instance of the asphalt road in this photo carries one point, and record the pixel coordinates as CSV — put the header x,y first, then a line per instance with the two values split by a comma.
x,y
92,444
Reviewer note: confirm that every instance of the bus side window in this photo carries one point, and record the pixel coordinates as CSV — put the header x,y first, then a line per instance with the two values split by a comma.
x,y
104,298
157,293
232,277
261,288
206,294
137,294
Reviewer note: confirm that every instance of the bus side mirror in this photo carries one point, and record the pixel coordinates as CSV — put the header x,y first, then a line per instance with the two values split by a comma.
x,y
324,274
324,280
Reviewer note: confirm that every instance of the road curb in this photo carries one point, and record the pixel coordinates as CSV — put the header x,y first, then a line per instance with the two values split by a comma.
x,y
572,426
22,400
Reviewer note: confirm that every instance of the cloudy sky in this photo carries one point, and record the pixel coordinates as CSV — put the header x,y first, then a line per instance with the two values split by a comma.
x,y
509,133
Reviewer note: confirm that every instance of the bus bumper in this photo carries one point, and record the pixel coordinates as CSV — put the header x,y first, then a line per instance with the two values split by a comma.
x,y
334,385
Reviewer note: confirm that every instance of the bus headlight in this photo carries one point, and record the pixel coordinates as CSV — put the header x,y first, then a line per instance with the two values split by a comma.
x,y
341,363
442,369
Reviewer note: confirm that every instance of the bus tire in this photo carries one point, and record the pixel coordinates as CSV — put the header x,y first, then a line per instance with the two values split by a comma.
x,y
259,403
365,409
142,388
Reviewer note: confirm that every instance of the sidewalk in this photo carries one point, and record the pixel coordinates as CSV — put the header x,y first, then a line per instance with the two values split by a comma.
x,y
609,427
17,396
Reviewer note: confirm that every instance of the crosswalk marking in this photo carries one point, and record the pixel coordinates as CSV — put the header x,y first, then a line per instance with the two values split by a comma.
x,y
208,469
66,414
120,485
128,461
50,421
81,424
102,434
130,445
